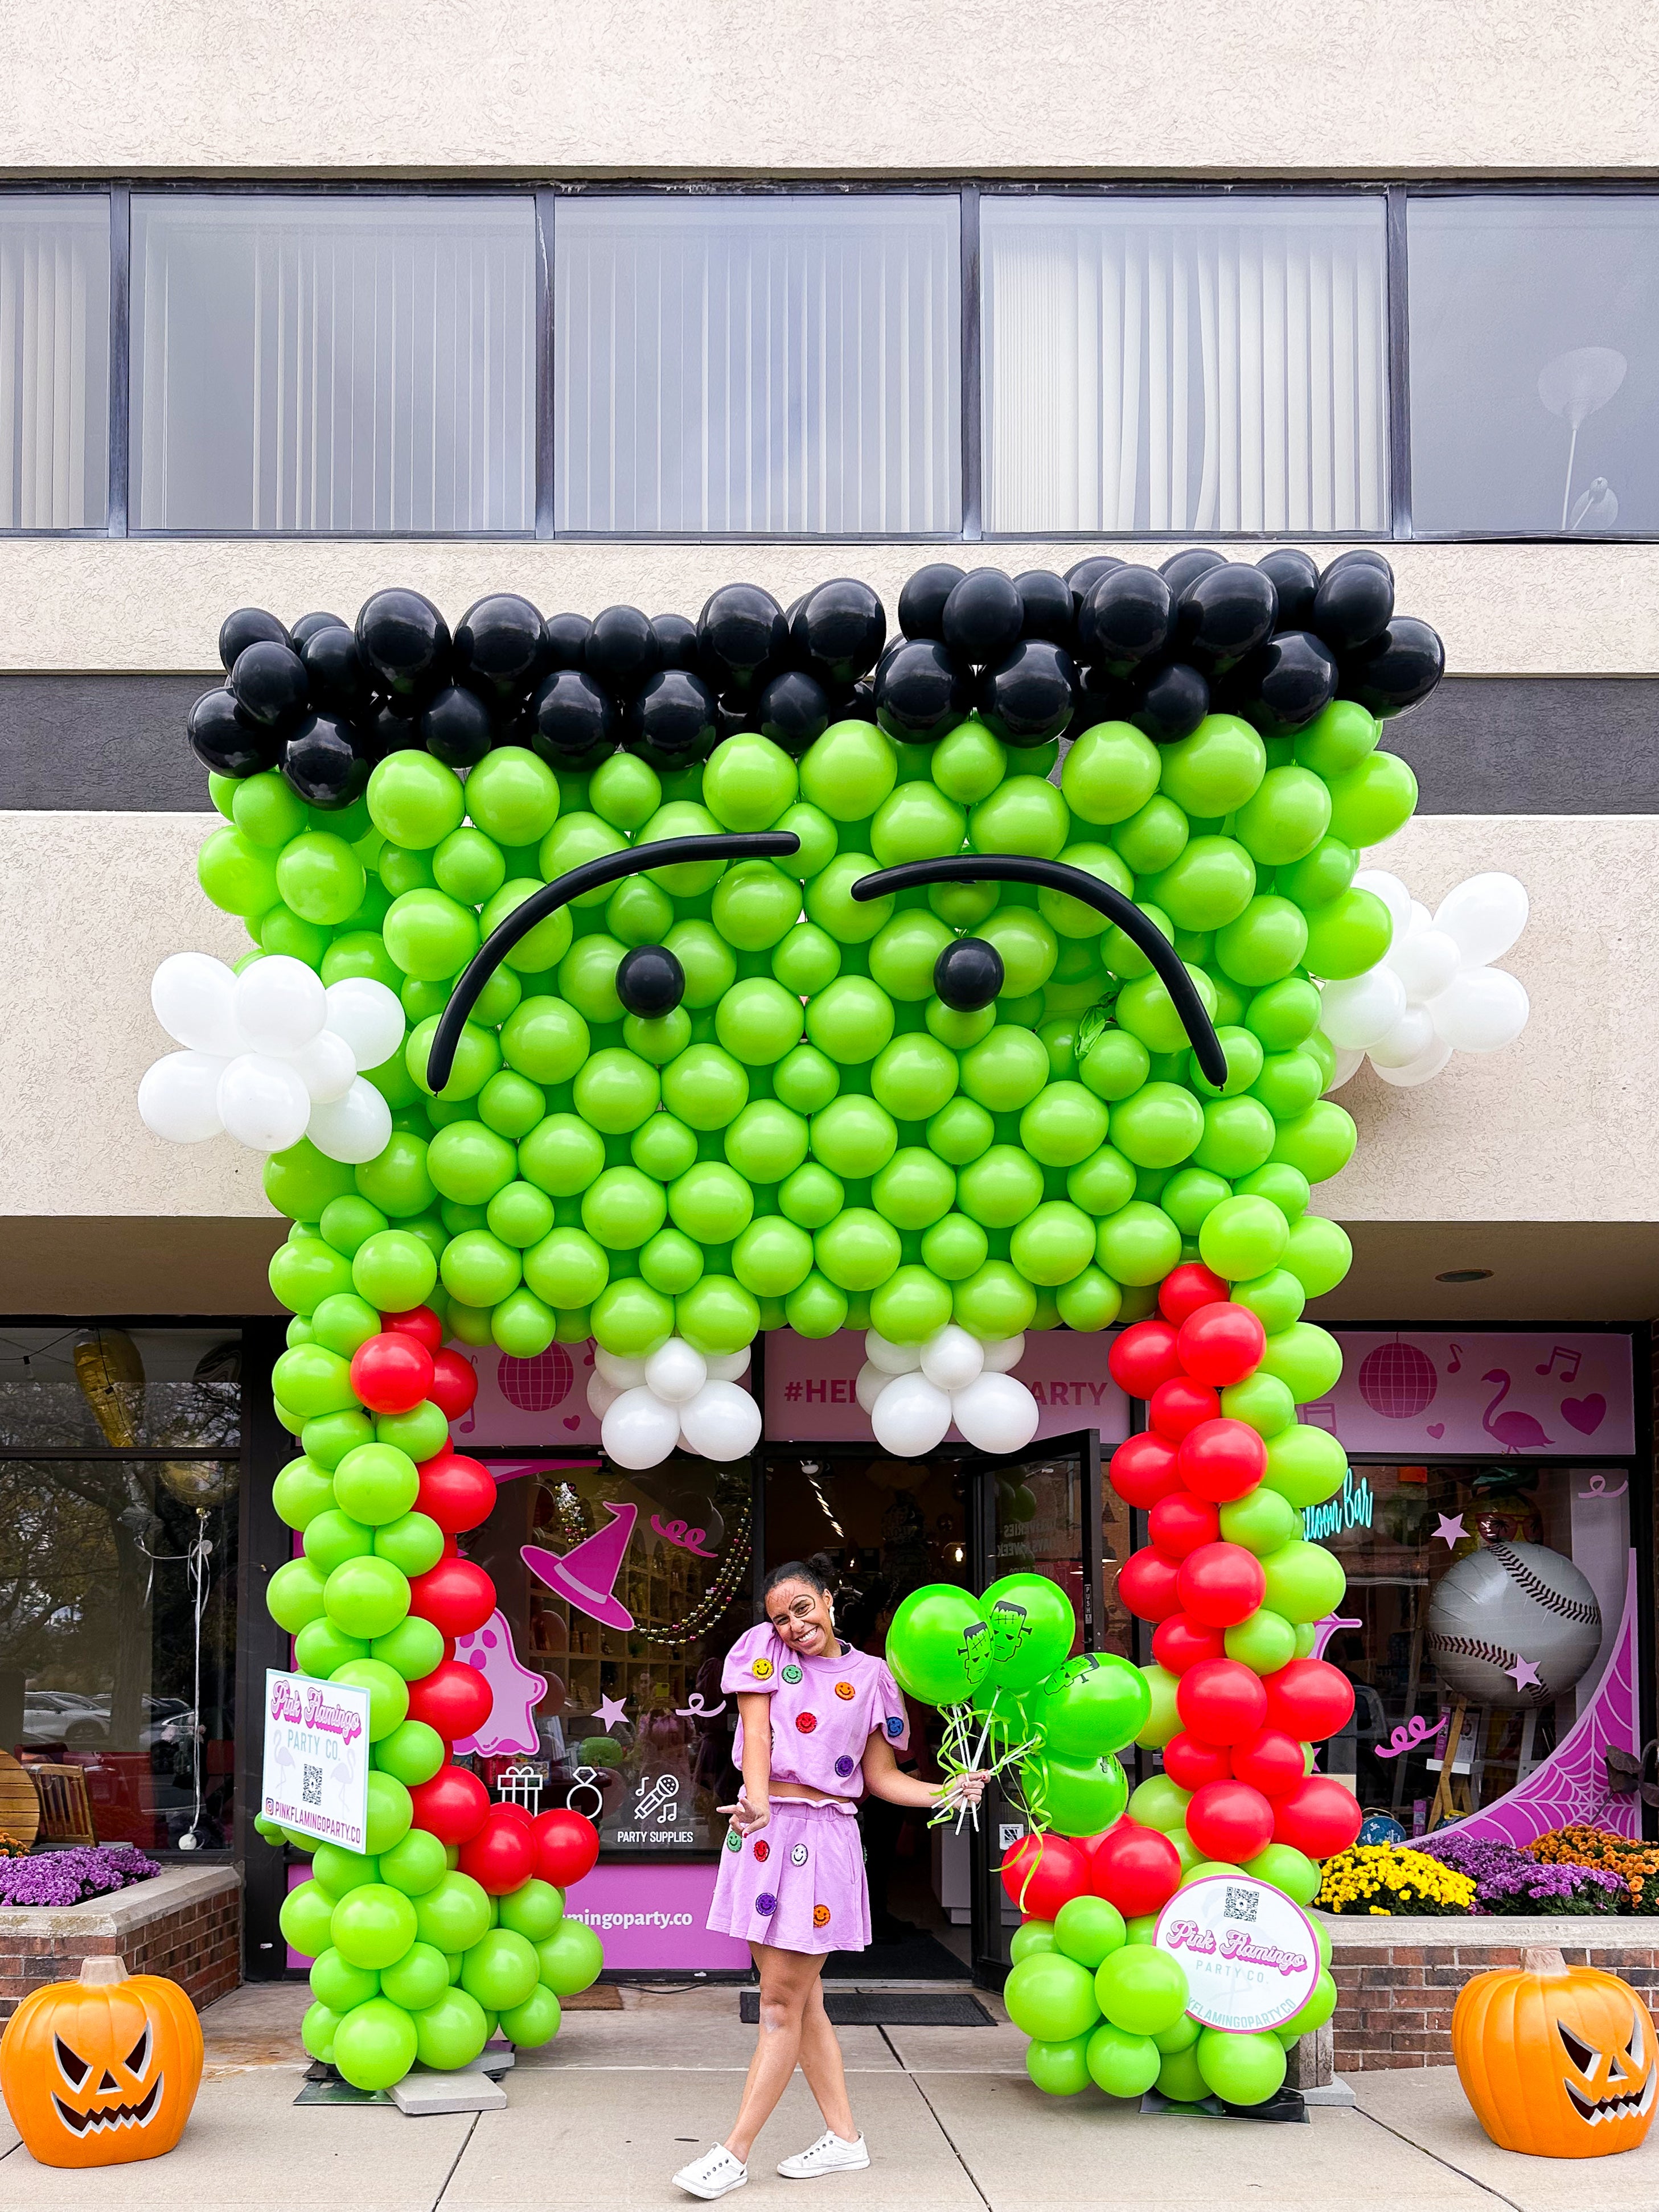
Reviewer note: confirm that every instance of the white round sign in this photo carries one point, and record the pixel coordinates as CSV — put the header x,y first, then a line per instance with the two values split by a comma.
x,y
1251,1956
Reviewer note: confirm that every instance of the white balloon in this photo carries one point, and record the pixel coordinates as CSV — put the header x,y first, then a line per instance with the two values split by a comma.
x,y
1356,1013
1426,1065
727,1366
367,1016
1408,1040
324,1066
1392,894
262,1102
1421,918
910,1417
996,1414
352,1129
953,1358
601,1396
869,1384
1484,1010
675,1372
891,1359
1002,1352
722,1422
1484,916
1426,960
280,1004
626,1373
1349,1061
194,996
179,1098
639,1430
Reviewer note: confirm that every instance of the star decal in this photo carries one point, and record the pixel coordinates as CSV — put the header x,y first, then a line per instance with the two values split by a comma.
x,y
1451,1530
612,1713
1524,1675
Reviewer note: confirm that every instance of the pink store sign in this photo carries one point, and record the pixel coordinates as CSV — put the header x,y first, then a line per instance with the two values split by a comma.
x,y
541,1401
1411,1393
810,1398
650,1916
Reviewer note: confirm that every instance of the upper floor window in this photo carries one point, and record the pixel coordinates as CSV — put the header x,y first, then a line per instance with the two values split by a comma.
x,y
788,363
1185,366
54,361
1535,362
306,362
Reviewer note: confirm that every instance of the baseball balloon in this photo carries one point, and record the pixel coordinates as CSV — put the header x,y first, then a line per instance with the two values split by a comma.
x,y
1512,1625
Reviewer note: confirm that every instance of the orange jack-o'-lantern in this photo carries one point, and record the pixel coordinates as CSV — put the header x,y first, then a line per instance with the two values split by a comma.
x,y
104,2070
1558,2061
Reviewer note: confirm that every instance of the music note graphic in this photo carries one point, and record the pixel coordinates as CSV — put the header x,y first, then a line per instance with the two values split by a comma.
x,y
1453,1365
1570,1361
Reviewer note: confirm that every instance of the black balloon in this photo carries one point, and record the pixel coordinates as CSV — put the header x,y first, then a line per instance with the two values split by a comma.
x,y
224,741
858,705
336,672
1354,601
1284,682
454,725
247,626
1397,670
310,626
920,691
386,732
732,718
1187,566
922,602
794,710
500,648
968,975
1174,700
1224,614
837,631
1103,697
1295,576
672,722
406,643
676,637
983,616
1083,575
1049,609
621,651
1126,619
572,719
650,980
269,681
742,639
1028,698
564,640
326,763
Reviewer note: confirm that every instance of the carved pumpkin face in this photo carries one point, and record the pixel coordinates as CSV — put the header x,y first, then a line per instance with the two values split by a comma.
x,y
104,2070
1557,2061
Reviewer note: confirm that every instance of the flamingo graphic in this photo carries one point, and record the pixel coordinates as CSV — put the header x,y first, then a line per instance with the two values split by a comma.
x,y
1515,1431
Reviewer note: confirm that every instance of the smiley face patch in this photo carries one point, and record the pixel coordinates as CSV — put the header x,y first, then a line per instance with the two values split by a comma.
x,y
820,1916
806,1723
763,1850
766,1904
844,1766
845,1693
800,1856
791,1673
761,1670
734,1840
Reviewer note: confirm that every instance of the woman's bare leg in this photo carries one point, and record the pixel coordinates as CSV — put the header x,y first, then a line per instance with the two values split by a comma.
x,y
821,2062
787,1978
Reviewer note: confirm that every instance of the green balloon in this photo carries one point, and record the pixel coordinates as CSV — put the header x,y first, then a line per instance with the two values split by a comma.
x,y
1005,1070
1000,1187
1243,1238
301,1492
570,1958
1092,1705
414,1646
1076,1799
1138,1244
335,1983
1209,884
1285,1868
1028,948
479,1268
1088,1929
373,1925
318,2030
391,1810
366,1598
1159,1127
1071,917
1216,769
805,1079
1031,1626
562,1156
1306,1359
1336,740
301,1182
1306,1467
1288,815
717,1315
1287,1187
1289,1083
417,1979
1241,2070
1089,1302
849,771
305,1918
1024,815
1275,1298
817,1309
1264,944
961,1132
1319,1254
1031,1937
534,2022
938,1644
748,782
412,1752
916,822
319,1648
534,1911
915,1189
1264,1641
1064,1125
1348,934
805,959
1145,1009
912,1305
671,1262
1187,2030
705,1087
237,876
759,1022
511,1104
1261,1521
376,1484
451,2033
1103,1183
567,1269
1305,1583
1122,2064
913,1076
853,1136
320,877
1179,2079
1162,1720
417,1864
1322,2003
388,1693
394,1271
968,761
310,1379
1109,773
1141,1989
513,796
1051,1998
453,1914
294,1595
1158,1802
1373,799
307,1275
375,2044
631,1319
1053,1244
499,1969
1060,2070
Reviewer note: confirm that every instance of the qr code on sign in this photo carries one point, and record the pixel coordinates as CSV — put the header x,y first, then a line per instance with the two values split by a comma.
x,y
314,1788
1240,1903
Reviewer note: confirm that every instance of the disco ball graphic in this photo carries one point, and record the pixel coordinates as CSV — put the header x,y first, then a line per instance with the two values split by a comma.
x,y
538,1385
1398,1380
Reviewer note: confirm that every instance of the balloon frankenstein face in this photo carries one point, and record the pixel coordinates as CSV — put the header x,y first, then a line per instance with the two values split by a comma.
x,y
762,972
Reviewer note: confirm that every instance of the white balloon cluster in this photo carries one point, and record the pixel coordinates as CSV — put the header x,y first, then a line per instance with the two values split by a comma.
x,y
1433,992
913,1392
271,1055
679,1400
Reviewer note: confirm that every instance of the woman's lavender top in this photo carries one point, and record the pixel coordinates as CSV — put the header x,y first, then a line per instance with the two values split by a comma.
x,y
823,1711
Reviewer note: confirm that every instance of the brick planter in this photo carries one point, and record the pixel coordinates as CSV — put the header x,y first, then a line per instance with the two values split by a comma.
x,y
185,1924
1397,1979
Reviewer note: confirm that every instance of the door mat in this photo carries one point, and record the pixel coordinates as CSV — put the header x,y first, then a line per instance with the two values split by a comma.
x,y
602,1997
888,2009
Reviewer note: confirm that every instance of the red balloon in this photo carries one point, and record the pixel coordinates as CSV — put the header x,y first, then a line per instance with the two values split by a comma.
x,y
1144,1469
1143,1357
507,1810
1043,1873
453,1698
420,1322
456,1595
392,1374
1179,1523
1271,1762
452,1807
1221,1584
1318,1817
1229,1821
454,1383
1179,1642
457,1493
567,1846
1222,1459
1191,1763
1221,1343
1222,1701
1184,1289
1309,1698
1180,1405
501,1857
1146,1584
1135,1869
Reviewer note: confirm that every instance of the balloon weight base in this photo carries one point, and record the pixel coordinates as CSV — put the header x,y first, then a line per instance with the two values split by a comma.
x,y
1287,2105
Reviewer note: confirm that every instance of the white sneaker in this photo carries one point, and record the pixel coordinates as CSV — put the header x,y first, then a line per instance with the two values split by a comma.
x,y
829,2154
713,2174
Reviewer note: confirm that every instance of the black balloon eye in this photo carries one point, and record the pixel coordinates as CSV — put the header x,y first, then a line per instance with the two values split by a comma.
x,y
968,975
650,980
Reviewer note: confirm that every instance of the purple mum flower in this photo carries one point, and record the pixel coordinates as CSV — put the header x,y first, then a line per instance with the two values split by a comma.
x,y
1510,1881
70,1877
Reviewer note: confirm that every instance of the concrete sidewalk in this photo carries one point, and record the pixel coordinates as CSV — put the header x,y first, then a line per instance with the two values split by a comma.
x,y
598,2121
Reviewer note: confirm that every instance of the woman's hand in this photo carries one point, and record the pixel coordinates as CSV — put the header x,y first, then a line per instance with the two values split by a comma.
x,y
746,1817
961,1790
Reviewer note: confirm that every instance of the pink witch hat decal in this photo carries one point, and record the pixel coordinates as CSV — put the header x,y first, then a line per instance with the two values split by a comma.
x,y
587,1577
